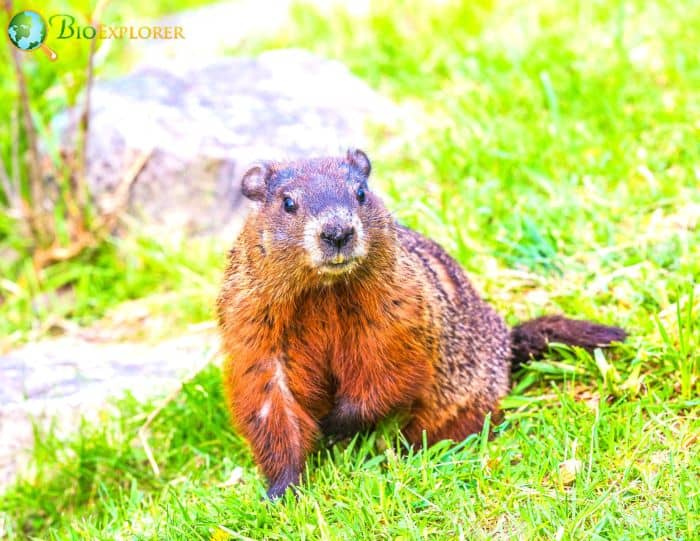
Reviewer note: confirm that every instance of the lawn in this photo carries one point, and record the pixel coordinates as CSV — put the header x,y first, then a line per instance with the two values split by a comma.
x,y
553,149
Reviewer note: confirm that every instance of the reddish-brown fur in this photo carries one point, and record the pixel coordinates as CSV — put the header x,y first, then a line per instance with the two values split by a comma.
x,y
311,352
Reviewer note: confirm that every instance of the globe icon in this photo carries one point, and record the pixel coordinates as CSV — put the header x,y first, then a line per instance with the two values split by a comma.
x,y
27,30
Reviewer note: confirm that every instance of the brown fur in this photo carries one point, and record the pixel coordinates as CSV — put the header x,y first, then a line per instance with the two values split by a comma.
x,y
312,352
532,338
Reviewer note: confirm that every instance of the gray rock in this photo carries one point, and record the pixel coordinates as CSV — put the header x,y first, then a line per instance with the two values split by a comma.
x,y
61,380
202,126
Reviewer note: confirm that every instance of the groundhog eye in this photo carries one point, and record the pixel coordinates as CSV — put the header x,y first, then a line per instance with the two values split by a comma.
x,y
289,204
361,195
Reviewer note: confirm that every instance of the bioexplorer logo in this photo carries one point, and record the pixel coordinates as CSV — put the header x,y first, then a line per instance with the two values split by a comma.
x,y
28,31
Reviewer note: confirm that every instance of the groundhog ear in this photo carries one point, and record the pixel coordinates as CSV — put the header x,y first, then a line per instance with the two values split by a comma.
x,y
359,161
254,182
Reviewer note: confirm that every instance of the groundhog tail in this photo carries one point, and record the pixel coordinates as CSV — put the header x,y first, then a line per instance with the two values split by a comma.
x,y
530,339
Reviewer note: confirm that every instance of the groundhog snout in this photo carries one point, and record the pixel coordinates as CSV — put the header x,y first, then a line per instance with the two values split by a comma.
x,y
335,241
336,235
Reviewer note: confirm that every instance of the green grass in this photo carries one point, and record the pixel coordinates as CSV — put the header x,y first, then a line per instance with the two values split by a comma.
x,y
552,148
178,279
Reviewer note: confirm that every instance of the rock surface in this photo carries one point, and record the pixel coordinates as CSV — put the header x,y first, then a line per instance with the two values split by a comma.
x,y
199,128
66,378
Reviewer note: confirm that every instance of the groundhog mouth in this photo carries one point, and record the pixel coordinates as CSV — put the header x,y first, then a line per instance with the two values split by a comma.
x,y
338,265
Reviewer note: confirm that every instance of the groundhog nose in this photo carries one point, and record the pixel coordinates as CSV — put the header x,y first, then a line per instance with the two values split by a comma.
x,y
337,236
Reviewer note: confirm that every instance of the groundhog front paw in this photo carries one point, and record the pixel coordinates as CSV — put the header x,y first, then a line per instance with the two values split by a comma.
x,y
278,485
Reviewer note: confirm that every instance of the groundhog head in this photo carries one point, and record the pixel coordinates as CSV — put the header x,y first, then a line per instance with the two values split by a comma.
x,y
319,213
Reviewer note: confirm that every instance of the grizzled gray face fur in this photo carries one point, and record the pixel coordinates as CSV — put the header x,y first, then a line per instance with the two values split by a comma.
x,y
318,211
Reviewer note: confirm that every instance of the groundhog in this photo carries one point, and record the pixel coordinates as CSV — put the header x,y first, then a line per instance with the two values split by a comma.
x,y
333,316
